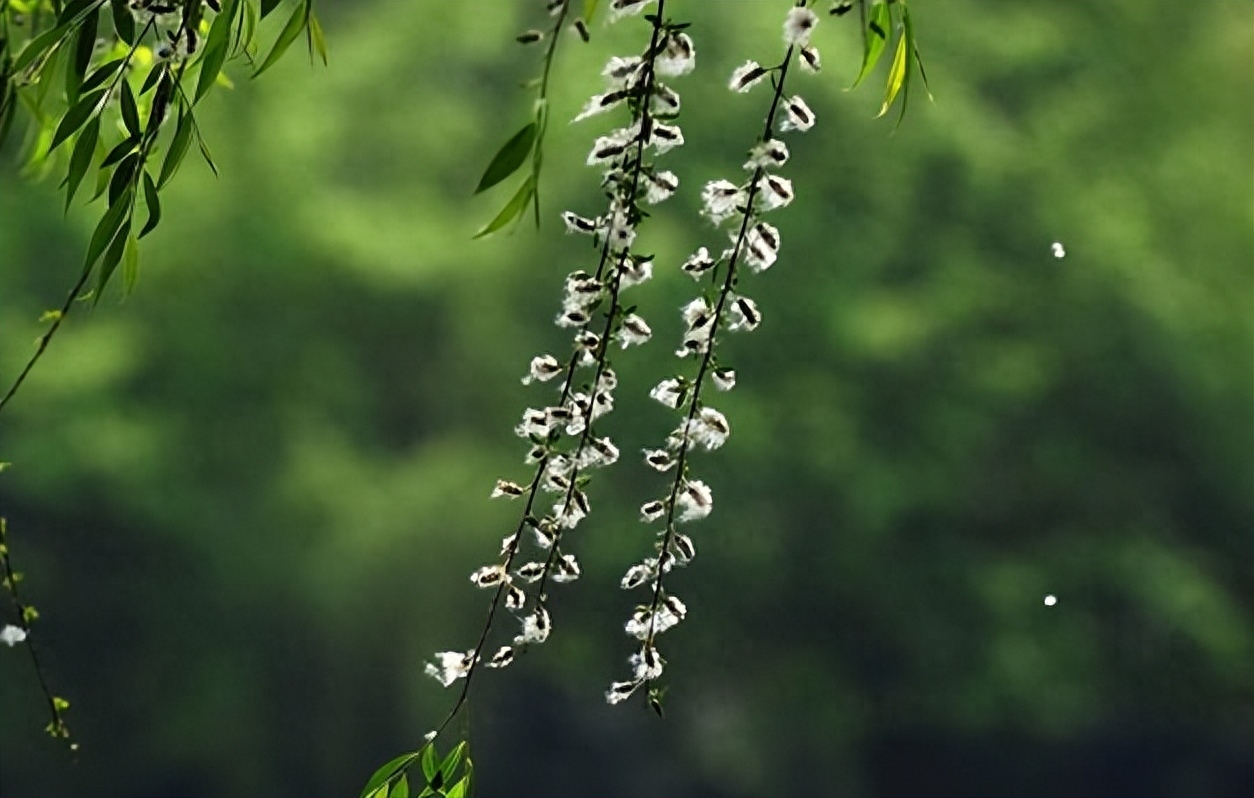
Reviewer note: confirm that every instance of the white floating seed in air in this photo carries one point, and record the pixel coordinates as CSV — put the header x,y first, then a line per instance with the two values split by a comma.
x,y
1059,250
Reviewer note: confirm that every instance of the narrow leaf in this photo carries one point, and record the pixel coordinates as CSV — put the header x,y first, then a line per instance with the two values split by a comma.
x,y
449,766
153,200
317,40
105,232
401,788
428,762
84,44
509,158
216,48
130,263
123,21
112,257
876,38
80,160
460,789
130,112
123,177
381,776
204,151
77,116
73,10
38,46
123,149
102,73
291,30
516,205
267,6
178,148
896,76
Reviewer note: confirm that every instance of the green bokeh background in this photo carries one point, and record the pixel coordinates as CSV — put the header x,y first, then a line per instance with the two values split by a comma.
x,y
248,496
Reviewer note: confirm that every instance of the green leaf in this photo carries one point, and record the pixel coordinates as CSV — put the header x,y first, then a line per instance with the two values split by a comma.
x,y
105,232
428,761
130,263
383,774
216,48
244,35
75,9
589,10
178,148
38,46
112,257
516,205
80,160
896,76
153,200
512,155
401,788
267,6
84,44
448,768
317,40
291,30
153,77
102,73
123,149
123,177
130,112
77,116
875,37
123,21
204,151
461,789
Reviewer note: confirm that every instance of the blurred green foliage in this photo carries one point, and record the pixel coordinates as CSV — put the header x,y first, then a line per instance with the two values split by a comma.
x,y
247,498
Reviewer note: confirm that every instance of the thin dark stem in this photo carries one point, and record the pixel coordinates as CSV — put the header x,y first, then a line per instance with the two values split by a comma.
x,y
46,338
694,402
542,108
56,727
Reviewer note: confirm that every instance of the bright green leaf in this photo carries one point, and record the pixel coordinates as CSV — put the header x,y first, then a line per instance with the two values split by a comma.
x,y
317,40
509,158
448,768
461,789
428,761
382,775
401,788
896,76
